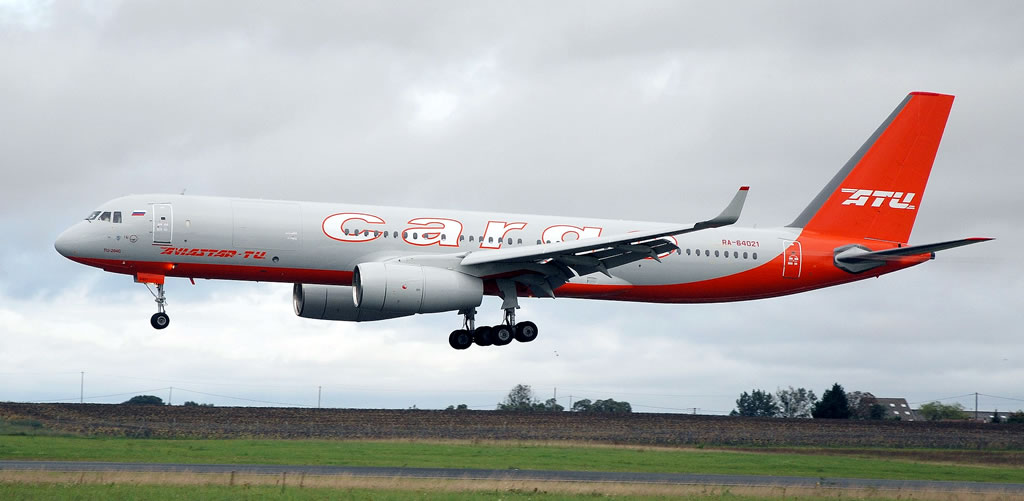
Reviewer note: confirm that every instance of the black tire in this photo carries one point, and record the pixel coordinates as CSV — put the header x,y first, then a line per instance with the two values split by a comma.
x,y
502,334
482,336
460,339
159,321
526,332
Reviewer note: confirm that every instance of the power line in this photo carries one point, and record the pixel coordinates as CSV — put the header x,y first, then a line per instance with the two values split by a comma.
x,y
92,397
245,399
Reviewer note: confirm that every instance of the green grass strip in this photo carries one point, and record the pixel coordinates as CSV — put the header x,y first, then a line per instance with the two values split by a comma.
x,y
489,456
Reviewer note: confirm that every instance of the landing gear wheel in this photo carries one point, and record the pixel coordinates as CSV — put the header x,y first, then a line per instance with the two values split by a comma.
x,y
460,339
526,332
160,320
482,336
502,334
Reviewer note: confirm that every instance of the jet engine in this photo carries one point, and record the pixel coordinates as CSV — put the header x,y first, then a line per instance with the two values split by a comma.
x,y
405,289
333,302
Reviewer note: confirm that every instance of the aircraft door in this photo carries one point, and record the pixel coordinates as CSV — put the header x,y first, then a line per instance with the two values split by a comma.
x,y
162,223
792,259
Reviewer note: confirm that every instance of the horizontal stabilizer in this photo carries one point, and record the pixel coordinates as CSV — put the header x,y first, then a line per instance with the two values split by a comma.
x,y
855,259
911,250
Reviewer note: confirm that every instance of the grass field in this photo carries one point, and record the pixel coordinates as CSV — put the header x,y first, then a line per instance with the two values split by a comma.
x,y
497,456
118,491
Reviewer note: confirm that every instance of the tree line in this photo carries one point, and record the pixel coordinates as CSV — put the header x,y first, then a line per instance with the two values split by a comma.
x,y
836,403
522,399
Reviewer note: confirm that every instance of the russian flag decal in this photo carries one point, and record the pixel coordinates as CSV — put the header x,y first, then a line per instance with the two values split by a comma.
x,y
138,213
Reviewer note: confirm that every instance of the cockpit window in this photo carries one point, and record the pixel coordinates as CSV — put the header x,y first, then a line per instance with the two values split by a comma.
x,y
105,216
117,216
93,215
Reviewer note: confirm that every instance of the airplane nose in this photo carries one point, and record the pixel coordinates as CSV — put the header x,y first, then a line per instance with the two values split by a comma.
x,y
65,242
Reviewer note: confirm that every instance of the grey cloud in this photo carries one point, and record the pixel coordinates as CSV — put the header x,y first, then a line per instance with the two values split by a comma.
x,y
642,111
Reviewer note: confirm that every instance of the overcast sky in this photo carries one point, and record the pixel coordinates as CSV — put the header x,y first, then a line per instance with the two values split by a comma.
x,y
627,110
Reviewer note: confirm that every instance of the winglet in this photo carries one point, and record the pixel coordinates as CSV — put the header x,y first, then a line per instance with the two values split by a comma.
x,y
730,215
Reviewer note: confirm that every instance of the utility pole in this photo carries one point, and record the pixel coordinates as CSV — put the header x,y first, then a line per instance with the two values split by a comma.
x,y
975,406
81,389
170,393
570,402
556,395
319,390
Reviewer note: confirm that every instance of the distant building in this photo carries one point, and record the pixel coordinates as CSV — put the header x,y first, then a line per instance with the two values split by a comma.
x,y
897,408
986,416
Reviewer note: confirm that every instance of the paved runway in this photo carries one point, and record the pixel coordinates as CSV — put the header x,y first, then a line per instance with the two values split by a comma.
x,y
531,475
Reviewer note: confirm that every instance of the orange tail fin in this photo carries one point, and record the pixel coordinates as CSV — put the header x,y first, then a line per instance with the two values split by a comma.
x,y
878,192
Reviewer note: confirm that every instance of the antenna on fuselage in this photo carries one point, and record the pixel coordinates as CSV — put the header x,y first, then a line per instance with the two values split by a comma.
x,y
183,190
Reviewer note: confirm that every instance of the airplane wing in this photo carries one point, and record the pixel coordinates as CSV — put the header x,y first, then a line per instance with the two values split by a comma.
x,y
545,267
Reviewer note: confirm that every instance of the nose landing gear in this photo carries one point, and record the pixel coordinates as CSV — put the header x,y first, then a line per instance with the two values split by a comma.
x,y
159,320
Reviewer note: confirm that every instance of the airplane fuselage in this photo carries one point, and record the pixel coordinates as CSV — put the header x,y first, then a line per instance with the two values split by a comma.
x,y
320,243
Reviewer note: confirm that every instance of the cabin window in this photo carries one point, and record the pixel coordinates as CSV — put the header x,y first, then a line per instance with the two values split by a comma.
x,y
688,252
405,234
707,253
510,241
755,256
444,237
415,236
716,253
471,238
538,242
117,216
744,255
520,242
735,255
462,237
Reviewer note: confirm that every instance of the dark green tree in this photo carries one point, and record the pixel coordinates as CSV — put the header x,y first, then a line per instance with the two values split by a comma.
x,y
549,405
611,406
192,403
520,398
756,403
938,411
145,400
877,412
795,402
1016,417
864,405
995,417
460,407
583,405
833,404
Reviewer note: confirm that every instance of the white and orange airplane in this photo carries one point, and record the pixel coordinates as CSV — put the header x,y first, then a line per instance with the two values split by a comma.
x,y
365,263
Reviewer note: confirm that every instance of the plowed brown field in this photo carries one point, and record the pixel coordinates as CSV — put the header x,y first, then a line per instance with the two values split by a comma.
x,y
631,429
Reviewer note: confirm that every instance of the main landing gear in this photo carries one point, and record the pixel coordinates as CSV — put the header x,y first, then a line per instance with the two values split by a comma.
x,y
499,335
159,320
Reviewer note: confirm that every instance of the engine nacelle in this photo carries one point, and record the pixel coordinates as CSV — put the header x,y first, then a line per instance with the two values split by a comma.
x,y
333,302
407,289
